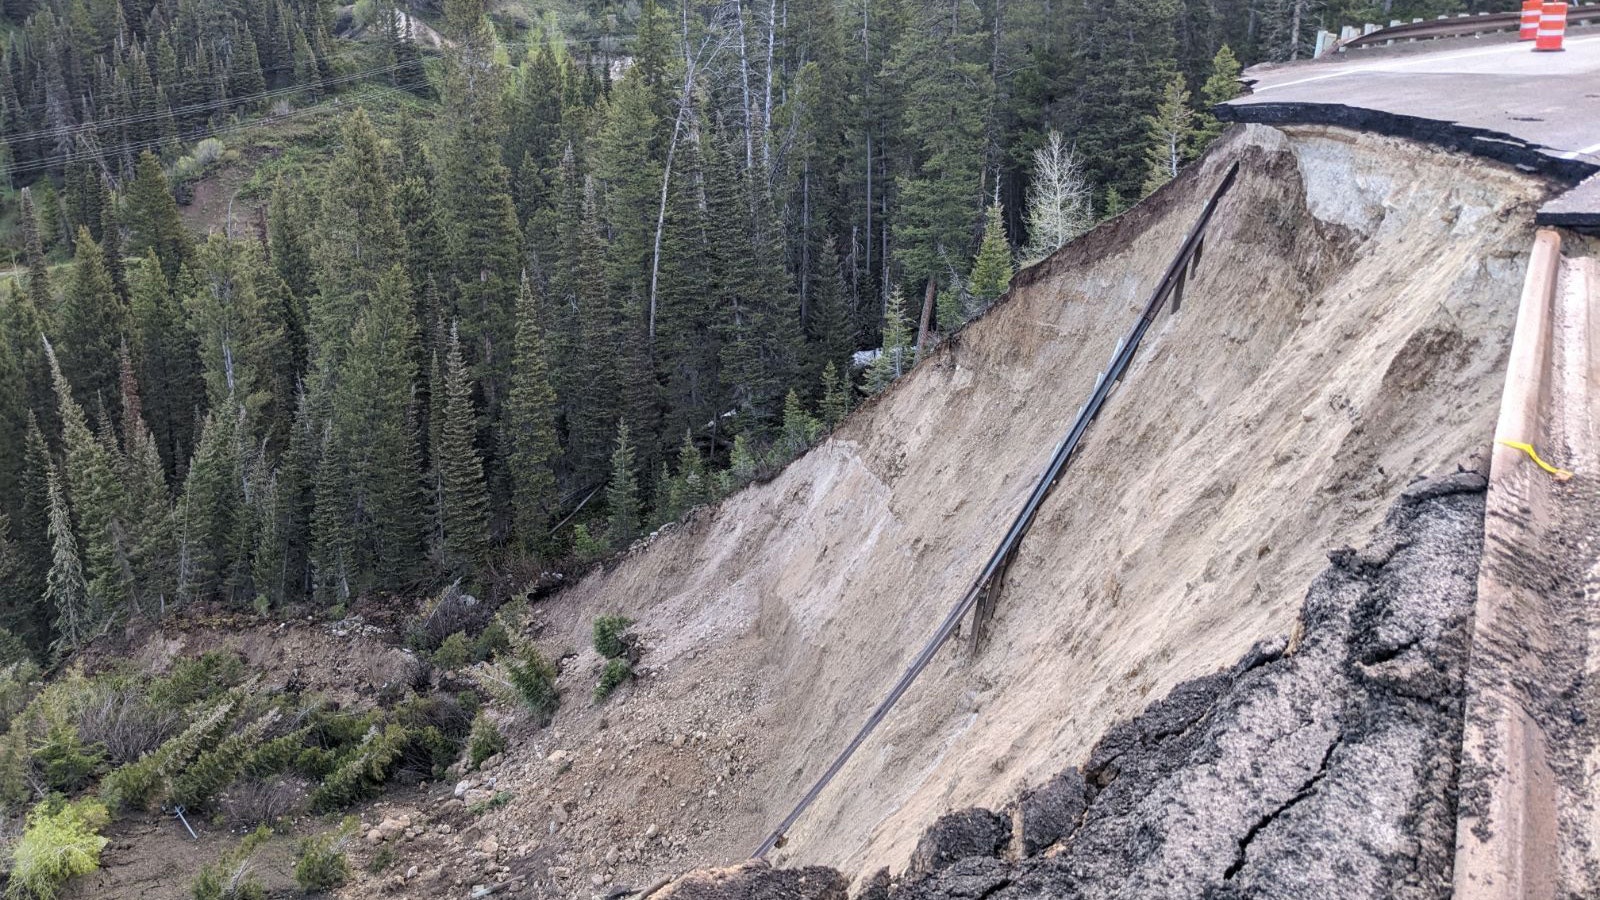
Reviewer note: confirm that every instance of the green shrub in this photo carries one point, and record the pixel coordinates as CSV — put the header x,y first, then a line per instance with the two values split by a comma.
x,y
320,865
501,798
276,755
17,687
61,840
453,652
493,641
485,740
585,546
214,769
617,671
15,786
381,861
66,762
363,770
610,636
535,680
200,678
132,786
232,877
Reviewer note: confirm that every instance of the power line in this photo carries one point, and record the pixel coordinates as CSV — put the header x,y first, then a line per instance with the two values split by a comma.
x,y
136,146
140,118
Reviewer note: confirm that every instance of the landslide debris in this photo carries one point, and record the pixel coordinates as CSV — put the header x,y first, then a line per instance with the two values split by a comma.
x,y
1319,765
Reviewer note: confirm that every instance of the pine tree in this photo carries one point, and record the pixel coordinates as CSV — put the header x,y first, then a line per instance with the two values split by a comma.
x,y
358,238
236,328
622,493
896,356
165,363
835,396
208,509
99,500
92,321
153,536
1221,86
1169,136
463,494
530,418
151,215
66,591
991,272
372,409
948,93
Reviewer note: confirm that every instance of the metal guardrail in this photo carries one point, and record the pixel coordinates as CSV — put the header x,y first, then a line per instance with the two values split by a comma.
x,y
1170,287
1447,27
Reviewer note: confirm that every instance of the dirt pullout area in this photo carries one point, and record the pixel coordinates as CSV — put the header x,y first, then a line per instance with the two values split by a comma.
x,y
1324,766
1346,330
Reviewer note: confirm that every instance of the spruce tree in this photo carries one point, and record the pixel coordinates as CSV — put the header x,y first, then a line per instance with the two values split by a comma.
x,y
99,500
896,355
165,363
151,216
622,493
835,396
32,620
372,409
463,495
530,419
831,324
153,537
1169,135
208,509
237,330
66,592
947,94
358,238
1221,86
476,208
991,272
92,321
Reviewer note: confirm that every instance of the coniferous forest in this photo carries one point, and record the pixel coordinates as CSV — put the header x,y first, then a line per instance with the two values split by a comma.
x,y
611,261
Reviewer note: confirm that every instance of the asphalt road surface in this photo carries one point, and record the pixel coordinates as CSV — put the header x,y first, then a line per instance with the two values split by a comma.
x,y
1463,93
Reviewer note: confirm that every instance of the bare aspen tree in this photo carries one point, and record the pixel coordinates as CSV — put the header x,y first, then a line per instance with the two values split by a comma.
x,y
1060,199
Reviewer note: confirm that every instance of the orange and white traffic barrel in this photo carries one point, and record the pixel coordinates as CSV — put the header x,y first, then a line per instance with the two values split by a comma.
x,y
1531,10
1552,26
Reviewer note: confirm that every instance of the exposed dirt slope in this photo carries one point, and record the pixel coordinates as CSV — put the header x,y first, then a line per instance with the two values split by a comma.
x,y
1346,331
1324,766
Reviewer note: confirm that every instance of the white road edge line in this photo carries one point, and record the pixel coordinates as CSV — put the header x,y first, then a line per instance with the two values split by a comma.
x,y
1574,154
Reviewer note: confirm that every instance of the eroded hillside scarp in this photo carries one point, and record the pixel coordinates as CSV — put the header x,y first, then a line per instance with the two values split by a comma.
x,y
1346,331
1323,765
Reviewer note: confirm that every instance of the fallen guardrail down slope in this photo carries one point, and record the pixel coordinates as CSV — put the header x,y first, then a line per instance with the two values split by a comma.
x,y
986,588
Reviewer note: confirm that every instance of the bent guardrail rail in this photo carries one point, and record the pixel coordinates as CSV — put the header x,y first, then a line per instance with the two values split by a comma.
x,y
1463,25
986,586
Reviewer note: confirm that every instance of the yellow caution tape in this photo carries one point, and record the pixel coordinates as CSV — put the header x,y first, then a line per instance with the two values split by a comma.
x,y
1560,474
